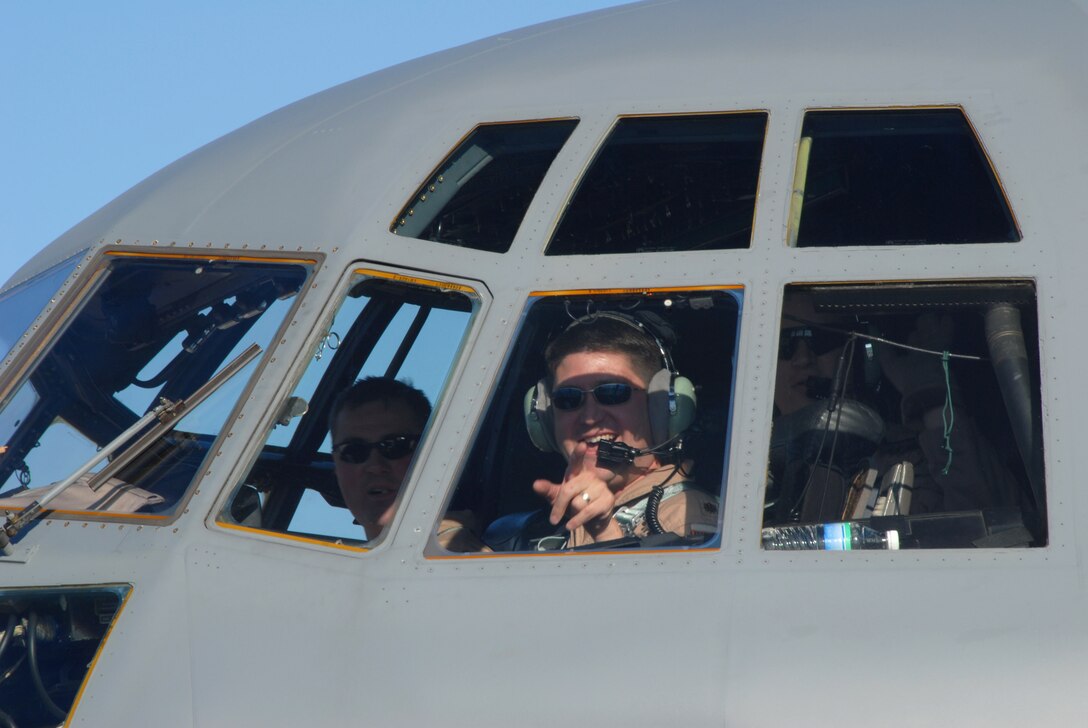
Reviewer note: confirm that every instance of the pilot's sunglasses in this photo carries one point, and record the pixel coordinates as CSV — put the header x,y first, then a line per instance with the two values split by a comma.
x,y
819,341
609,393
394,447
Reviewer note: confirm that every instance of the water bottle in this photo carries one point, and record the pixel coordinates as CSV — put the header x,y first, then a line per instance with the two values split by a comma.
x,y
828,537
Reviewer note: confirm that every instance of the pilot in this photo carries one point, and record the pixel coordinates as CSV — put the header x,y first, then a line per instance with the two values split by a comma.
x,y
606,404
810,354
376,425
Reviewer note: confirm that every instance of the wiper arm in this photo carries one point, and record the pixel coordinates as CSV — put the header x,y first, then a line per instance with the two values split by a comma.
x,y
167,413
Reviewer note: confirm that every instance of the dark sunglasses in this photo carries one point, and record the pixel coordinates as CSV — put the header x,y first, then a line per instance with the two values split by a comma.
x,y
609,393
394,447
819,341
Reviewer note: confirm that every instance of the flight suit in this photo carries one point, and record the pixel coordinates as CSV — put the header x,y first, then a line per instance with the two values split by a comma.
x,y
684,510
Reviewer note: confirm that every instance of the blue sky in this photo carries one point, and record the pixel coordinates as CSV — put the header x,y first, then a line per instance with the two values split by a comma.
x,y
94,97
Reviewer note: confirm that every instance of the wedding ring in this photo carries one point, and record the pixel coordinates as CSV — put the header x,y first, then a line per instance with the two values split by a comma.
x,y
585,497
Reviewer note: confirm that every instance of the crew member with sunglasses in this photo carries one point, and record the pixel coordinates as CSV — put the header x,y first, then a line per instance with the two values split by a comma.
x,y
598,371
376,424
811,347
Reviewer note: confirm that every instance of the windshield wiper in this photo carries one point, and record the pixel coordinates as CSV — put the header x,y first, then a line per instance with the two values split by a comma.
x,y
167,412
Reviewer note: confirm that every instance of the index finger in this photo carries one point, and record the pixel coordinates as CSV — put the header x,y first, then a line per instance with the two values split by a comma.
x,y
576,464
546,489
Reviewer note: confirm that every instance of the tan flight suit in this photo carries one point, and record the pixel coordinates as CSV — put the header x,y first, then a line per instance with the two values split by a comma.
x,y
684,510
457,533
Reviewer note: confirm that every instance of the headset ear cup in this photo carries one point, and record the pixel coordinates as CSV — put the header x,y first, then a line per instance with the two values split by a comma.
x,y
685,406
664,424
537,406
657,404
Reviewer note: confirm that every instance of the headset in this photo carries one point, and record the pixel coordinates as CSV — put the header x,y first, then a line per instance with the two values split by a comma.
x,y
670,397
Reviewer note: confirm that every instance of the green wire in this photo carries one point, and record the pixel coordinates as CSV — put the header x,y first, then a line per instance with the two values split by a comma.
x,y
948,414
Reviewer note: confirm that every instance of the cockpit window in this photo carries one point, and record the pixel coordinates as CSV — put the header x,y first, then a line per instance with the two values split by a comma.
x,y
667,183
153,331
334,465
895,177
908,414
478,196
614,405
20,305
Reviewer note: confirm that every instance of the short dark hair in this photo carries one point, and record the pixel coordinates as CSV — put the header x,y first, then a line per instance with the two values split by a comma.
x,y
606,333
385,390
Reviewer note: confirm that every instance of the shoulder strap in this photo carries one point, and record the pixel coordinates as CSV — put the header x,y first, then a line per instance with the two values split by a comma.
x,y
632,516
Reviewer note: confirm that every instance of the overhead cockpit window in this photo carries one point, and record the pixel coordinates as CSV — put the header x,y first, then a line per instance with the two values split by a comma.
x,y
608,430
907,416
337,460
478,196
667,183
127,401
895,177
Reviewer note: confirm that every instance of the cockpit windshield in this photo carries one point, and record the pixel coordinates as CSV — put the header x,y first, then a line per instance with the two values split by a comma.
x,y
20,305
150,328
369,390
910,407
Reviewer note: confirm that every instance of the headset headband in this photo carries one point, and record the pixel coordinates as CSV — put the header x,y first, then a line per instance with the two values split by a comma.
x,y
635,323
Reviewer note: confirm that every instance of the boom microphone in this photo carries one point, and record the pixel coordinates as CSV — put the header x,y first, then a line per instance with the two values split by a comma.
x,y
617,452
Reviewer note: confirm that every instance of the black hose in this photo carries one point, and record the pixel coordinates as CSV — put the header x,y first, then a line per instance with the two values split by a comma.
x,y
167,371
35,674
6,639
